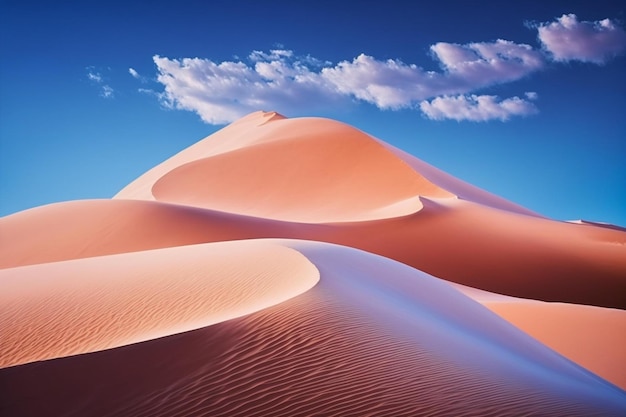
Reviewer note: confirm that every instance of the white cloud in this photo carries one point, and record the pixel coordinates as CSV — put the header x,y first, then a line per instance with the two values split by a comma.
x,y
476,108
133,72
223,92
482,64
387,84
96,78
220,92
531,95
393,84
107,92
568,39
274,54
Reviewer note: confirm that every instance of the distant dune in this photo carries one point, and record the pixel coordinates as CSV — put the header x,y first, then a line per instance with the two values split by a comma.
x,y
287,267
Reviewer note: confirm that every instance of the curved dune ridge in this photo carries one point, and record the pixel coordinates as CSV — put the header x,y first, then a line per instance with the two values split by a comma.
x,y
373,337
66,308
287,267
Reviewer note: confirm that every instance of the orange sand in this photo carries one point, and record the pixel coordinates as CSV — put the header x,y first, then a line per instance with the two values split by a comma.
x,y
66,308
372,337
593,337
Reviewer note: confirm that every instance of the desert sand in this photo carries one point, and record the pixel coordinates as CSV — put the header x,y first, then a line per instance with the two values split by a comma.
x,y
303,267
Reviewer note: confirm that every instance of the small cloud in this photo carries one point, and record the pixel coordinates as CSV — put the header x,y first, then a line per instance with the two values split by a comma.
x,y
96,78
476,108
137,76
531,95
487,63
568,39
107,92
274,54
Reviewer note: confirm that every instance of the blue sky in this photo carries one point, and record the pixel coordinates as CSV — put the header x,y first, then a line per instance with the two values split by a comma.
x,y
525,100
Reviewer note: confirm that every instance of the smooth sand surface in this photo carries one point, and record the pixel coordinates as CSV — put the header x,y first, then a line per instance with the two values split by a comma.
x,y
94,294
322,172
373,337
593,337
66,308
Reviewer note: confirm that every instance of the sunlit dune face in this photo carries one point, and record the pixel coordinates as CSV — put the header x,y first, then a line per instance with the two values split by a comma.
x,y
302,170
67,308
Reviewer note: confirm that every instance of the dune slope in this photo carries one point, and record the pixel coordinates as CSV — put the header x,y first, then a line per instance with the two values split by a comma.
x,y
71,307
493,249
373,337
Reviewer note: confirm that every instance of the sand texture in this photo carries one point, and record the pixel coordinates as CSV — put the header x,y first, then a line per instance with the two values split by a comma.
x,y
298,267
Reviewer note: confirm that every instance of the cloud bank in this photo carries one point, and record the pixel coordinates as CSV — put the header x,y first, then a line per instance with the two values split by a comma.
x,y
221,92
567,39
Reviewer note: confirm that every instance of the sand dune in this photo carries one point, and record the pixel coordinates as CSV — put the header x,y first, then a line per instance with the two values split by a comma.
x,y
325,172
303,170
494,250
166,300
373,337
66,308
82,229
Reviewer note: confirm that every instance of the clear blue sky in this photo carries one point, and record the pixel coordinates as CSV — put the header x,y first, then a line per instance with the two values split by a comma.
x,y
539,119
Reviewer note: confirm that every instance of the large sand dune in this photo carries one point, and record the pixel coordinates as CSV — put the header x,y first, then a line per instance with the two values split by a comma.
x,y
166,300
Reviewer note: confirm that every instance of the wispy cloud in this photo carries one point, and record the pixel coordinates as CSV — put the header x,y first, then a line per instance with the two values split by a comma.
x,y
107,92
133,72
220,92
568,39
96,78
477,108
